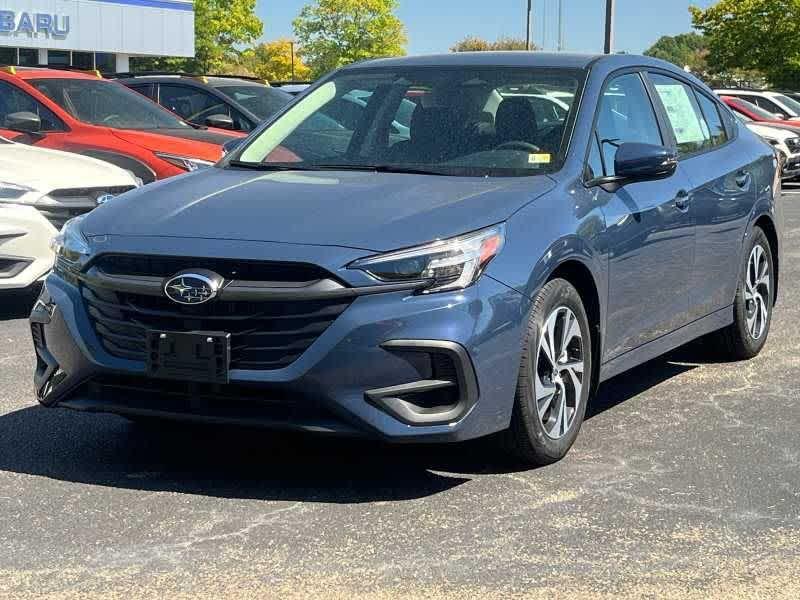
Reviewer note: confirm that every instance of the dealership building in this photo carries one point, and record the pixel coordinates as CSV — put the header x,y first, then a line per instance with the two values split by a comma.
x,y
93,34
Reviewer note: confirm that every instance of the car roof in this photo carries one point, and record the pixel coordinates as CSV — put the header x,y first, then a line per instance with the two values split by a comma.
x,y
198,80
564,60
45,73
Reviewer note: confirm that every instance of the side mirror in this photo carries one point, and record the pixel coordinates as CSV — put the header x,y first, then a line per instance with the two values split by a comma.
x,y
24,122
639,162
231,145
220,121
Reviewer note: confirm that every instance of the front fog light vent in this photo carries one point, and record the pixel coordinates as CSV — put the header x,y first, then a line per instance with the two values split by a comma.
x,y
444,396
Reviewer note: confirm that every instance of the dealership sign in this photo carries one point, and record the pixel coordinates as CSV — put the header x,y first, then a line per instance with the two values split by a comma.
x,y
47,24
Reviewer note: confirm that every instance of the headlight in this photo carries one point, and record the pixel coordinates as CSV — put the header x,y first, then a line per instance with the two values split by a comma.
x,y
451,264
71,249
11,192
184,162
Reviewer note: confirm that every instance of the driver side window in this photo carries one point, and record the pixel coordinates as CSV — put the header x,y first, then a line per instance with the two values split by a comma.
x,y
13,100
192,104
625,115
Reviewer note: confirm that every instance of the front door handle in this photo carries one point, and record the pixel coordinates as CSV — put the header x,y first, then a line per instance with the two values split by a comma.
x,y
682,201
742,179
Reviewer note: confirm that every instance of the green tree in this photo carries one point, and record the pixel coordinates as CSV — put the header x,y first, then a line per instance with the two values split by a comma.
x,y
334,33
476,44
754,35
686,49
273,61
219,26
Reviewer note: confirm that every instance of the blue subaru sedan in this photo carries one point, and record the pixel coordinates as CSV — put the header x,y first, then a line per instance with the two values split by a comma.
x,y
545,222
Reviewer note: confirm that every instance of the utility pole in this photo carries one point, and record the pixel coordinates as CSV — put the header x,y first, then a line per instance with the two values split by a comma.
x,y
528,40
544,25
560,25
609,46
292,46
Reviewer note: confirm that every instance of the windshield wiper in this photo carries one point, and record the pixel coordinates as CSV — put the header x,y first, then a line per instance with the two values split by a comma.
x,y
270,167
382,169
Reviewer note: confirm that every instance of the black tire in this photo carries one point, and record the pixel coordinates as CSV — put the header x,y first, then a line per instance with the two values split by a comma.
x,y
736,340
527,437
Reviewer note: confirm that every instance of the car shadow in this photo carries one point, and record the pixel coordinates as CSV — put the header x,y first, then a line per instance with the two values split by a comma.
x,y
256,464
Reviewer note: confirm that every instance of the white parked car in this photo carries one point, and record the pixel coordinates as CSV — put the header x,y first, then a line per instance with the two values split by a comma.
x,y
786,140
40,190
782,106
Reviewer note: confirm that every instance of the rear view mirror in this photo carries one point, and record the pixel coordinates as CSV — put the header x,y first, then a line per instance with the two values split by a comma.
x,y
24,122
637,162
220,121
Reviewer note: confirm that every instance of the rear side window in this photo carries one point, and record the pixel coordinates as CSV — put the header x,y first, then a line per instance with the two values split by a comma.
x,y
690,128
13,100
625,115
713,120
146,89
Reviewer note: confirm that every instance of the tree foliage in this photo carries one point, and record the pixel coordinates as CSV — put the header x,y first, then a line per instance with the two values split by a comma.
x,y
686,49
219,26
334,33
476,44
754,35
273,61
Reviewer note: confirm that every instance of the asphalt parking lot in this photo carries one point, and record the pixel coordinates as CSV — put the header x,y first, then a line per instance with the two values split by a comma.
x,y
685,482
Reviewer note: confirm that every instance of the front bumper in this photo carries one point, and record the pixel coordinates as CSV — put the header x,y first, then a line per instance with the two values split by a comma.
x,y
398,366
25,255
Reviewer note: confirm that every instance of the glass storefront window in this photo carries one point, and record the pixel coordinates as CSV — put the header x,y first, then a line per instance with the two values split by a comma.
x,y
105,62
58,58
8,56
28,57
83,60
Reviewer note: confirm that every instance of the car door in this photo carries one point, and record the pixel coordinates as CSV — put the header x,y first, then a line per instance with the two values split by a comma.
x,y
722,194
649,224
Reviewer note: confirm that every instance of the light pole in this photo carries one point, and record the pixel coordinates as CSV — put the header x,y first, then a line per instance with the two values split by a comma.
x,y
528,41
609,45
560,25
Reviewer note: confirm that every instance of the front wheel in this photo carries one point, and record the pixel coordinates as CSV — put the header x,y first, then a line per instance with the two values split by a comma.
x,y
554,379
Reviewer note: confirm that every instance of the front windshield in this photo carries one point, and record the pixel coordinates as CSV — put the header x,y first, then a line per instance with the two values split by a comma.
x,y
471,121
262,101
790,103
107,103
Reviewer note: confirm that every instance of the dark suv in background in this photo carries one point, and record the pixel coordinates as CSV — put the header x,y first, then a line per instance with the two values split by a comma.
x,y
234,103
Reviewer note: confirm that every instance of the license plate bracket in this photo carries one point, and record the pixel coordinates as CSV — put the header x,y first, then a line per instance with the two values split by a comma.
x,y
202,356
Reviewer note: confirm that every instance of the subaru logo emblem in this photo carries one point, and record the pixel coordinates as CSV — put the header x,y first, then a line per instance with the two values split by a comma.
x,y
104,198
192,288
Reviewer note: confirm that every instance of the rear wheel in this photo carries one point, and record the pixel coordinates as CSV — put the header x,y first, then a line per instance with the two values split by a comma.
x,y
752,309
554,378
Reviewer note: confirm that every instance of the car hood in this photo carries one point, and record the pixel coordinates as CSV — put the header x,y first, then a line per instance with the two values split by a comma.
x,y
23,164
192,143
364,210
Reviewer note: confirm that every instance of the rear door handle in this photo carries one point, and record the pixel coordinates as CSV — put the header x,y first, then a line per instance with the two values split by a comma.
x,y
742,178
682,201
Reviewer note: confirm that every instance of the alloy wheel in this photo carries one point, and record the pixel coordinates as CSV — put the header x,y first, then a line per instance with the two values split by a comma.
x,y
757,292
559,372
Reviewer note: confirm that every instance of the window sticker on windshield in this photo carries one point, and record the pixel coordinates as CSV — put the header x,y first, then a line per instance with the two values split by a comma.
x,y
681,113
539,159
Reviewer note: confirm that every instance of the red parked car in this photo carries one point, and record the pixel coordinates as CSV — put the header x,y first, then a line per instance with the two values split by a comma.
x,y
84,113
756,113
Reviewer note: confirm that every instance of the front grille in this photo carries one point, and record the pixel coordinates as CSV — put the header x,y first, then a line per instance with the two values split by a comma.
x,y
265,335
249,270
793,144
74,202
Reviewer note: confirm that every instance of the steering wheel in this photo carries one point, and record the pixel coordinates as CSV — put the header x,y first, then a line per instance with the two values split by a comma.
x,y
111,118
518,145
